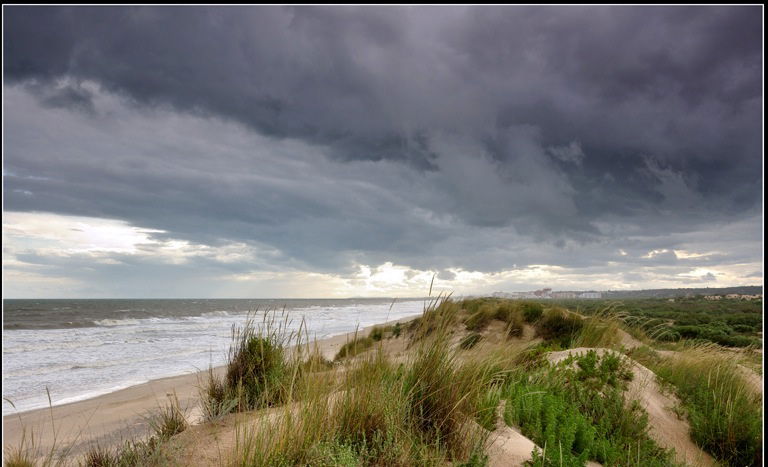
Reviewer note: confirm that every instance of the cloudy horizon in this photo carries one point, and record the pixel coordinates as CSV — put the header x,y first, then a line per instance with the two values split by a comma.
x,y
281,152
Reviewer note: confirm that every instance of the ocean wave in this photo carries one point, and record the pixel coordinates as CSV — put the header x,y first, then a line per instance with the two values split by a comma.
x,y
116,322
41,346
216,313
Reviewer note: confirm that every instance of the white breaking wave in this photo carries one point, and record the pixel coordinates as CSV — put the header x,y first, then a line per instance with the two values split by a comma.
x,y
79,363
116,322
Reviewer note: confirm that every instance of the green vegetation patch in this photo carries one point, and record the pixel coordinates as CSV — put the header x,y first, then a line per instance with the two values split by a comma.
x,y
723,410
727,322
355,346
560,325
577,411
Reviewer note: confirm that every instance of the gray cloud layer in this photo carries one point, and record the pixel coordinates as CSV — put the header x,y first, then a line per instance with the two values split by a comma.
x,y
482,138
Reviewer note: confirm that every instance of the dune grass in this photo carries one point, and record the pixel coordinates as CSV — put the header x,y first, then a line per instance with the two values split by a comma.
x,y
24,454
259,371
166,421
30,452
355,346
723,410
600,329
438,404
481,312
470,341
559,325
420,412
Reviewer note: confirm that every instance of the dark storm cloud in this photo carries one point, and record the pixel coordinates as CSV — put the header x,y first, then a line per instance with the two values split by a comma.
x,y
445,127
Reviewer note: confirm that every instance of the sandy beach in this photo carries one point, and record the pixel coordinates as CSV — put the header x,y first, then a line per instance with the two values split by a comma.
x,y
121,415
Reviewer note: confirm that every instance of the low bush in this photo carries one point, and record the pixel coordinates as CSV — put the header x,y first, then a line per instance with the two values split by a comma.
x,y
532,311
559,325
257,371
505,309
557,408
316,362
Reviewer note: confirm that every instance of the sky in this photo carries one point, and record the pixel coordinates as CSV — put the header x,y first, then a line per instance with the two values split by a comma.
x,y
363,151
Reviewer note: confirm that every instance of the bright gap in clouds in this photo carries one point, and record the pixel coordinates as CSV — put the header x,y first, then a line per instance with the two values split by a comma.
x,y
57,256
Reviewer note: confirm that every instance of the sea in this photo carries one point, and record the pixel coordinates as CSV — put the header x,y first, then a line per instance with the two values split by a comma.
x,y
78,349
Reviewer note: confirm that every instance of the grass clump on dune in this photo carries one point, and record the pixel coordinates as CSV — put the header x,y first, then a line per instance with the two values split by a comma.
x,y
559,325
483,312
354,347
532,311
167,421
470,341
418,412
438,318
259,372
20,456
381,332
480,319
599,330
723,409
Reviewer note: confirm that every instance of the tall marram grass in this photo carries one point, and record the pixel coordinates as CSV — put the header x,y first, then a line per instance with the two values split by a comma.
x,y
481,312
600,329
723,409
260,372
419,412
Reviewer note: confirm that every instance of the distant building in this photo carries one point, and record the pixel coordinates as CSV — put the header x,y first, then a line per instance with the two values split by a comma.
x,y
564,295
543,293
591,295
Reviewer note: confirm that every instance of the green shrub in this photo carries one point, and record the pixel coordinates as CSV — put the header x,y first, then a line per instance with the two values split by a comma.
x,y
471,305
316,362
532,311
558,325
557,408
377,333
438,317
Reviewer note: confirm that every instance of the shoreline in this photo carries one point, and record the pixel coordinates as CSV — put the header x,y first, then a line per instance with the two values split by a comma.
x,y
120,415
